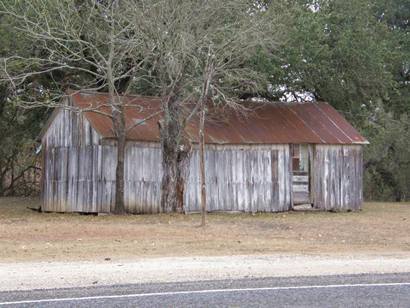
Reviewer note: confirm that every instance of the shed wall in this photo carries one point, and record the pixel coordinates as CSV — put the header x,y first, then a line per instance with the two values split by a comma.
x,y
68,129
143,173
239,178
338,177
254,178
77,174
79,179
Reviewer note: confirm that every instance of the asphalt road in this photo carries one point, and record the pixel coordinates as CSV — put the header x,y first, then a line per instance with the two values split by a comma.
x,y
367,290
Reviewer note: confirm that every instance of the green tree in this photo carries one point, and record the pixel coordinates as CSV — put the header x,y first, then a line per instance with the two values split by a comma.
x,y
355,55
19,127
387,163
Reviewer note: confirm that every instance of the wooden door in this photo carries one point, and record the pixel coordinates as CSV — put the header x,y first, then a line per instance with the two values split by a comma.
x,y
301,158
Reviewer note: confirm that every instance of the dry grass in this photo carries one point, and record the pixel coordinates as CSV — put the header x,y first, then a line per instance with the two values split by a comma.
x,y
26,235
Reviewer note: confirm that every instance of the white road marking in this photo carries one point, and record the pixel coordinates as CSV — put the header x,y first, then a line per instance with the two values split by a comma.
x,y
68,299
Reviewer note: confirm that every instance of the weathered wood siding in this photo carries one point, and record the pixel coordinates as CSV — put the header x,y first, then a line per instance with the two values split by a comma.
x,y
79,179
301,193
79,174
338,177
239,178
70,129
78,170
143,173
254,178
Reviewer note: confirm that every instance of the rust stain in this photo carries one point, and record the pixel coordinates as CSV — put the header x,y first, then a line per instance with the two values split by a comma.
x,y
270,123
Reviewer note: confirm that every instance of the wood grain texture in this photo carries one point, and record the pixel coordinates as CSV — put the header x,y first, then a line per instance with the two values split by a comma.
x,y
338,177
242,178
79,174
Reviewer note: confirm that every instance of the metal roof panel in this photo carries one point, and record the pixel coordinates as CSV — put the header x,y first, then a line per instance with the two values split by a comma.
x,y
267,123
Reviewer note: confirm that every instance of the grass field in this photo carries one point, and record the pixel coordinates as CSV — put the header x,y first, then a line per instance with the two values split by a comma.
x,y
26,235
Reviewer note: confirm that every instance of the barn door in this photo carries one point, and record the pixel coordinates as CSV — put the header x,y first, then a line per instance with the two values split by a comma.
x,y
301,160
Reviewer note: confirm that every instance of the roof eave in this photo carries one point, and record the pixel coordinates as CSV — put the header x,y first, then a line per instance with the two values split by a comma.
x,y
361,142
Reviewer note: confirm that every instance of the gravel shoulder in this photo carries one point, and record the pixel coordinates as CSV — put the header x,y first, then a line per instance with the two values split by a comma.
x,y
45,275
51,250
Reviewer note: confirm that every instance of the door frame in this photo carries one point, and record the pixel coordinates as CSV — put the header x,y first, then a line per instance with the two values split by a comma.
x,y
310,170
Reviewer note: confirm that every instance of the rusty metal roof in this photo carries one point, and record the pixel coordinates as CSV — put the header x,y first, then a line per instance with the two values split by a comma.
x,y
268,123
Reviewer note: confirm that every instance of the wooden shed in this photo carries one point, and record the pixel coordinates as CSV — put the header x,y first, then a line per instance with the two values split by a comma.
x,y
274,158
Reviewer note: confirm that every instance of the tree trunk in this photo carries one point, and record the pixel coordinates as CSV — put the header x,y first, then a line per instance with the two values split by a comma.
x,y
12,180
120,132
1,186
118,120
202,162
3,98
208,75
184,154
176,150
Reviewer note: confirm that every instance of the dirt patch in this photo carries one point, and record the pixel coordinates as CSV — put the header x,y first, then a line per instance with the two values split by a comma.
x,y
26,235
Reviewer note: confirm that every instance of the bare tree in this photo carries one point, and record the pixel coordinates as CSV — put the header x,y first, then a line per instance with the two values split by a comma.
x,y
229,46
188,52
165,24
201,51
204,53
92,44
208,77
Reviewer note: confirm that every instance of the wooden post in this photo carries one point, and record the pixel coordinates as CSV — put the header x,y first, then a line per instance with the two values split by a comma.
x,y
290,172
311,174
202,162
208,75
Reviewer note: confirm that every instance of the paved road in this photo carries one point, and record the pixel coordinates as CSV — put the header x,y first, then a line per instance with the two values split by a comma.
x,y
389,290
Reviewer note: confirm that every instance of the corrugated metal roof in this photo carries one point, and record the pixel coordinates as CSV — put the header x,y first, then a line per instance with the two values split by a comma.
x,y
270,123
